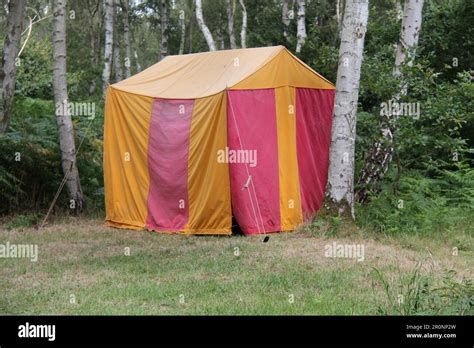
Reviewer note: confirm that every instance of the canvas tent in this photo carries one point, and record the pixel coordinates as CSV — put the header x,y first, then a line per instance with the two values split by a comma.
x,y
199,138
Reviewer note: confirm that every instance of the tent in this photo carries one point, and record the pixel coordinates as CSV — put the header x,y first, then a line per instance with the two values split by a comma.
x,y
199,138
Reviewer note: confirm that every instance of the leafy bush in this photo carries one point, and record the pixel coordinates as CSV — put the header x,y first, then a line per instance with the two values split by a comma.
x,y
30,163
420,204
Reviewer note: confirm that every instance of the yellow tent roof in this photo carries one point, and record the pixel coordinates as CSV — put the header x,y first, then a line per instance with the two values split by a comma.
x,y
200,75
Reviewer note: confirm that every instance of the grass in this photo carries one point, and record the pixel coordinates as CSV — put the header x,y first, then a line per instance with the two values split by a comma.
x,y
80,259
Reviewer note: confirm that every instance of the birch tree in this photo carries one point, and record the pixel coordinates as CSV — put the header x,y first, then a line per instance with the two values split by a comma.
x,y
286,17
126,38
340,188
301,26
108,42
138,67
338,13
182,25
243,32
409,35
163,29
230,24
381,154
117,62
11,47
63,118
204,29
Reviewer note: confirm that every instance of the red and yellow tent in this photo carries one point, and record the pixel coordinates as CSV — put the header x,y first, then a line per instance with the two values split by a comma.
x,y
199,138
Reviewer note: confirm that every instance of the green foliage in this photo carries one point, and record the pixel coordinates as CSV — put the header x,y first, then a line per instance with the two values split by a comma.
x,y
30,164
35,74
419,204
416,294
24,221
447,36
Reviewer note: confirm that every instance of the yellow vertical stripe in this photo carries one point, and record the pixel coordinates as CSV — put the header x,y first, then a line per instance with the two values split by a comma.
x,y
290,202
126,178
208,180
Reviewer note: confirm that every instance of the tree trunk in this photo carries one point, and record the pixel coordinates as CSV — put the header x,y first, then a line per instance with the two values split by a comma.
x,y
109,43
220,39
380,155
204,29
11,46
243,32
338,13
182,24
286,17
126,38
118,71
163,29
340,188
409,34
63,119
191,34
230,24
137,62
301,33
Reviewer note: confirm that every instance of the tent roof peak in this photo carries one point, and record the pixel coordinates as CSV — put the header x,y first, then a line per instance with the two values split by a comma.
x,y
199,75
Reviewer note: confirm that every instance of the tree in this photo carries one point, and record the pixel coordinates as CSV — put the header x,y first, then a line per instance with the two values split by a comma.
x,y
339,7
63,118
126,38
109,42
182,24
163,29
286,16
11,47
381,154
340,188
204,29
117,62
243,32
230,24
301,32
409,35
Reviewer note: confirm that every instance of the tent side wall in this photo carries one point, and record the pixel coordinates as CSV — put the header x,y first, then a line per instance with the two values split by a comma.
x,y
126,177
284,135
160,165
284,114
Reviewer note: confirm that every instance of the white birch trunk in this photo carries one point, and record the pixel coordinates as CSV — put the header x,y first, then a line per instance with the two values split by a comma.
x,y
409,34
182,24
109,42
220,40
301,25
338,13
163,29
243,32
204,29
9,67
286,17
137,62
118,71
63,119
126,39
340,188
381,154
230,24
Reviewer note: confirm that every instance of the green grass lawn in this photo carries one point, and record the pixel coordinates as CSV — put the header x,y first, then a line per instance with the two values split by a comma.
x,y
173,274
